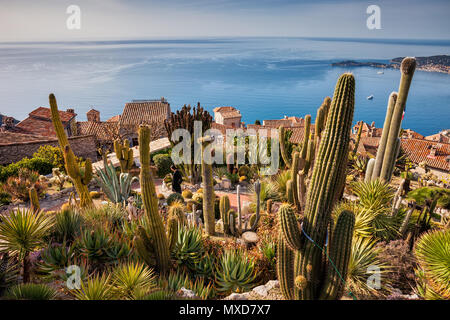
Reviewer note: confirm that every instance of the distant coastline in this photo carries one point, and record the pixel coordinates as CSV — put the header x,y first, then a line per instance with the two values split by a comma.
x,y
439,63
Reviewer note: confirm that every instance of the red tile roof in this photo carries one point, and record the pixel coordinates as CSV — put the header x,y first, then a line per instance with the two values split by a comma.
x,y
45,114
103,131
224,109
7,138
231,114
419,151
146,112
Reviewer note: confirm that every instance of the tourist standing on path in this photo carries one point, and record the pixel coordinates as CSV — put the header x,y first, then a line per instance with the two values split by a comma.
x,y
177,179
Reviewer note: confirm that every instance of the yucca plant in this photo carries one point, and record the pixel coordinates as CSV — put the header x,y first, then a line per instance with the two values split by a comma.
x,y
117,188
188,249
236,272
68,224
111,214
364,263
21,233
96,288
131,279
432,251
374,194
31,291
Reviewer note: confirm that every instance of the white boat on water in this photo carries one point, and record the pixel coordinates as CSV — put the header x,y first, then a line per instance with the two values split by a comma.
x,y
370,97
380,72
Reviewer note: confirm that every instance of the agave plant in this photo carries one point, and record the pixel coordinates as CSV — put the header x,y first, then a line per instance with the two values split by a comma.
x,y
364,264
236,272
31,291
116,188
55,258
93,245
188,249
21,233
96,288
131,279
432,251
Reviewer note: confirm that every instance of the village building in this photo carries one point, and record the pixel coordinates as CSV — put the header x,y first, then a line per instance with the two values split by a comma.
x,y
228,116
443,136
150,112
104,132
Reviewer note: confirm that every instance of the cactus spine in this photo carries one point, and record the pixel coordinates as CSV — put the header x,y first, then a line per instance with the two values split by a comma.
x,y
155,228
124,154
34,200
312,278
80,180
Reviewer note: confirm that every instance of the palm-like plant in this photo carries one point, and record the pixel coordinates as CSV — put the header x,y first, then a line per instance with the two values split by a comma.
x,y
432,251
31,291
96,288
131,279
22,232
236,272
374,194
117,188
188,249
280,181
364,263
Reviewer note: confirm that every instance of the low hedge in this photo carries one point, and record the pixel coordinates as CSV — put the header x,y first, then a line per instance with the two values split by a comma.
x,y
40,165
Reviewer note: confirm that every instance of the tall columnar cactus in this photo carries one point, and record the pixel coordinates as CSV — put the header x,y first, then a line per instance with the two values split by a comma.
x,y
153,237
358,139
124,154
306,135
283,151
321,118
316,274
80,178
208,191
224,208
294,170
369,170
34,200
389,146
253,225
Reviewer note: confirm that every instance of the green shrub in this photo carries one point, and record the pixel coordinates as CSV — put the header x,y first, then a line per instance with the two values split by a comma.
x,y
39,165
163,163
31,291
52,155
5,197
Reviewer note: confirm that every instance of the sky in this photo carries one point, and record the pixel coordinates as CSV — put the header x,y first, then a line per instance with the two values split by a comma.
x,y
45,20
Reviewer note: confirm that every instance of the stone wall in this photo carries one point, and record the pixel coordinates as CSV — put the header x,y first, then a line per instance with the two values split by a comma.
x,y
82,146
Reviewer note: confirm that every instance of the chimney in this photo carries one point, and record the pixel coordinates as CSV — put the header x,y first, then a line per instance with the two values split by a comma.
x,y
8,122
70,110
433,150
93,115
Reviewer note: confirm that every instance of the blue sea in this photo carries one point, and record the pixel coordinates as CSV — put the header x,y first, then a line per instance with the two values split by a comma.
x,y
265,78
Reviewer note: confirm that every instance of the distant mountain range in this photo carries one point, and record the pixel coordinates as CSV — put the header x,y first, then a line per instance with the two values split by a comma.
x,y
432,64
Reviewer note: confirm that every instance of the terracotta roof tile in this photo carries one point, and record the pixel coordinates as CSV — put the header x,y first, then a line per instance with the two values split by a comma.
x,y
224,109
103,131
231,114
419,151
147,112
45,114
7,138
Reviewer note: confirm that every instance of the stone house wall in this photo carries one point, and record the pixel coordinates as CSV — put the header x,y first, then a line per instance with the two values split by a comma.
x,y
82,146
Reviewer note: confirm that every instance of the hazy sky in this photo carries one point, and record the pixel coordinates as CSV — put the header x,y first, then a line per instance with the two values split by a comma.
x,y
27,20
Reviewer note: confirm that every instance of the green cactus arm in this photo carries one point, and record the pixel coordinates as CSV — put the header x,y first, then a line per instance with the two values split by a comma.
x,y
150,201
407,68
172,232
208,192
254,225
301,189
339,256
294,171
306,136
285,268
283,151
34,200
290,230
87,177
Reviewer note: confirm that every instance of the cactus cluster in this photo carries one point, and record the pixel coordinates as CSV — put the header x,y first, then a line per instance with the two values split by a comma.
x,y
389,146
305,268
81,177
124,154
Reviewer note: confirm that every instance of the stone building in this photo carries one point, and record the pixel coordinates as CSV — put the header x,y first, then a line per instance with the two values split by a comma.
x,y
228,116
105,132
